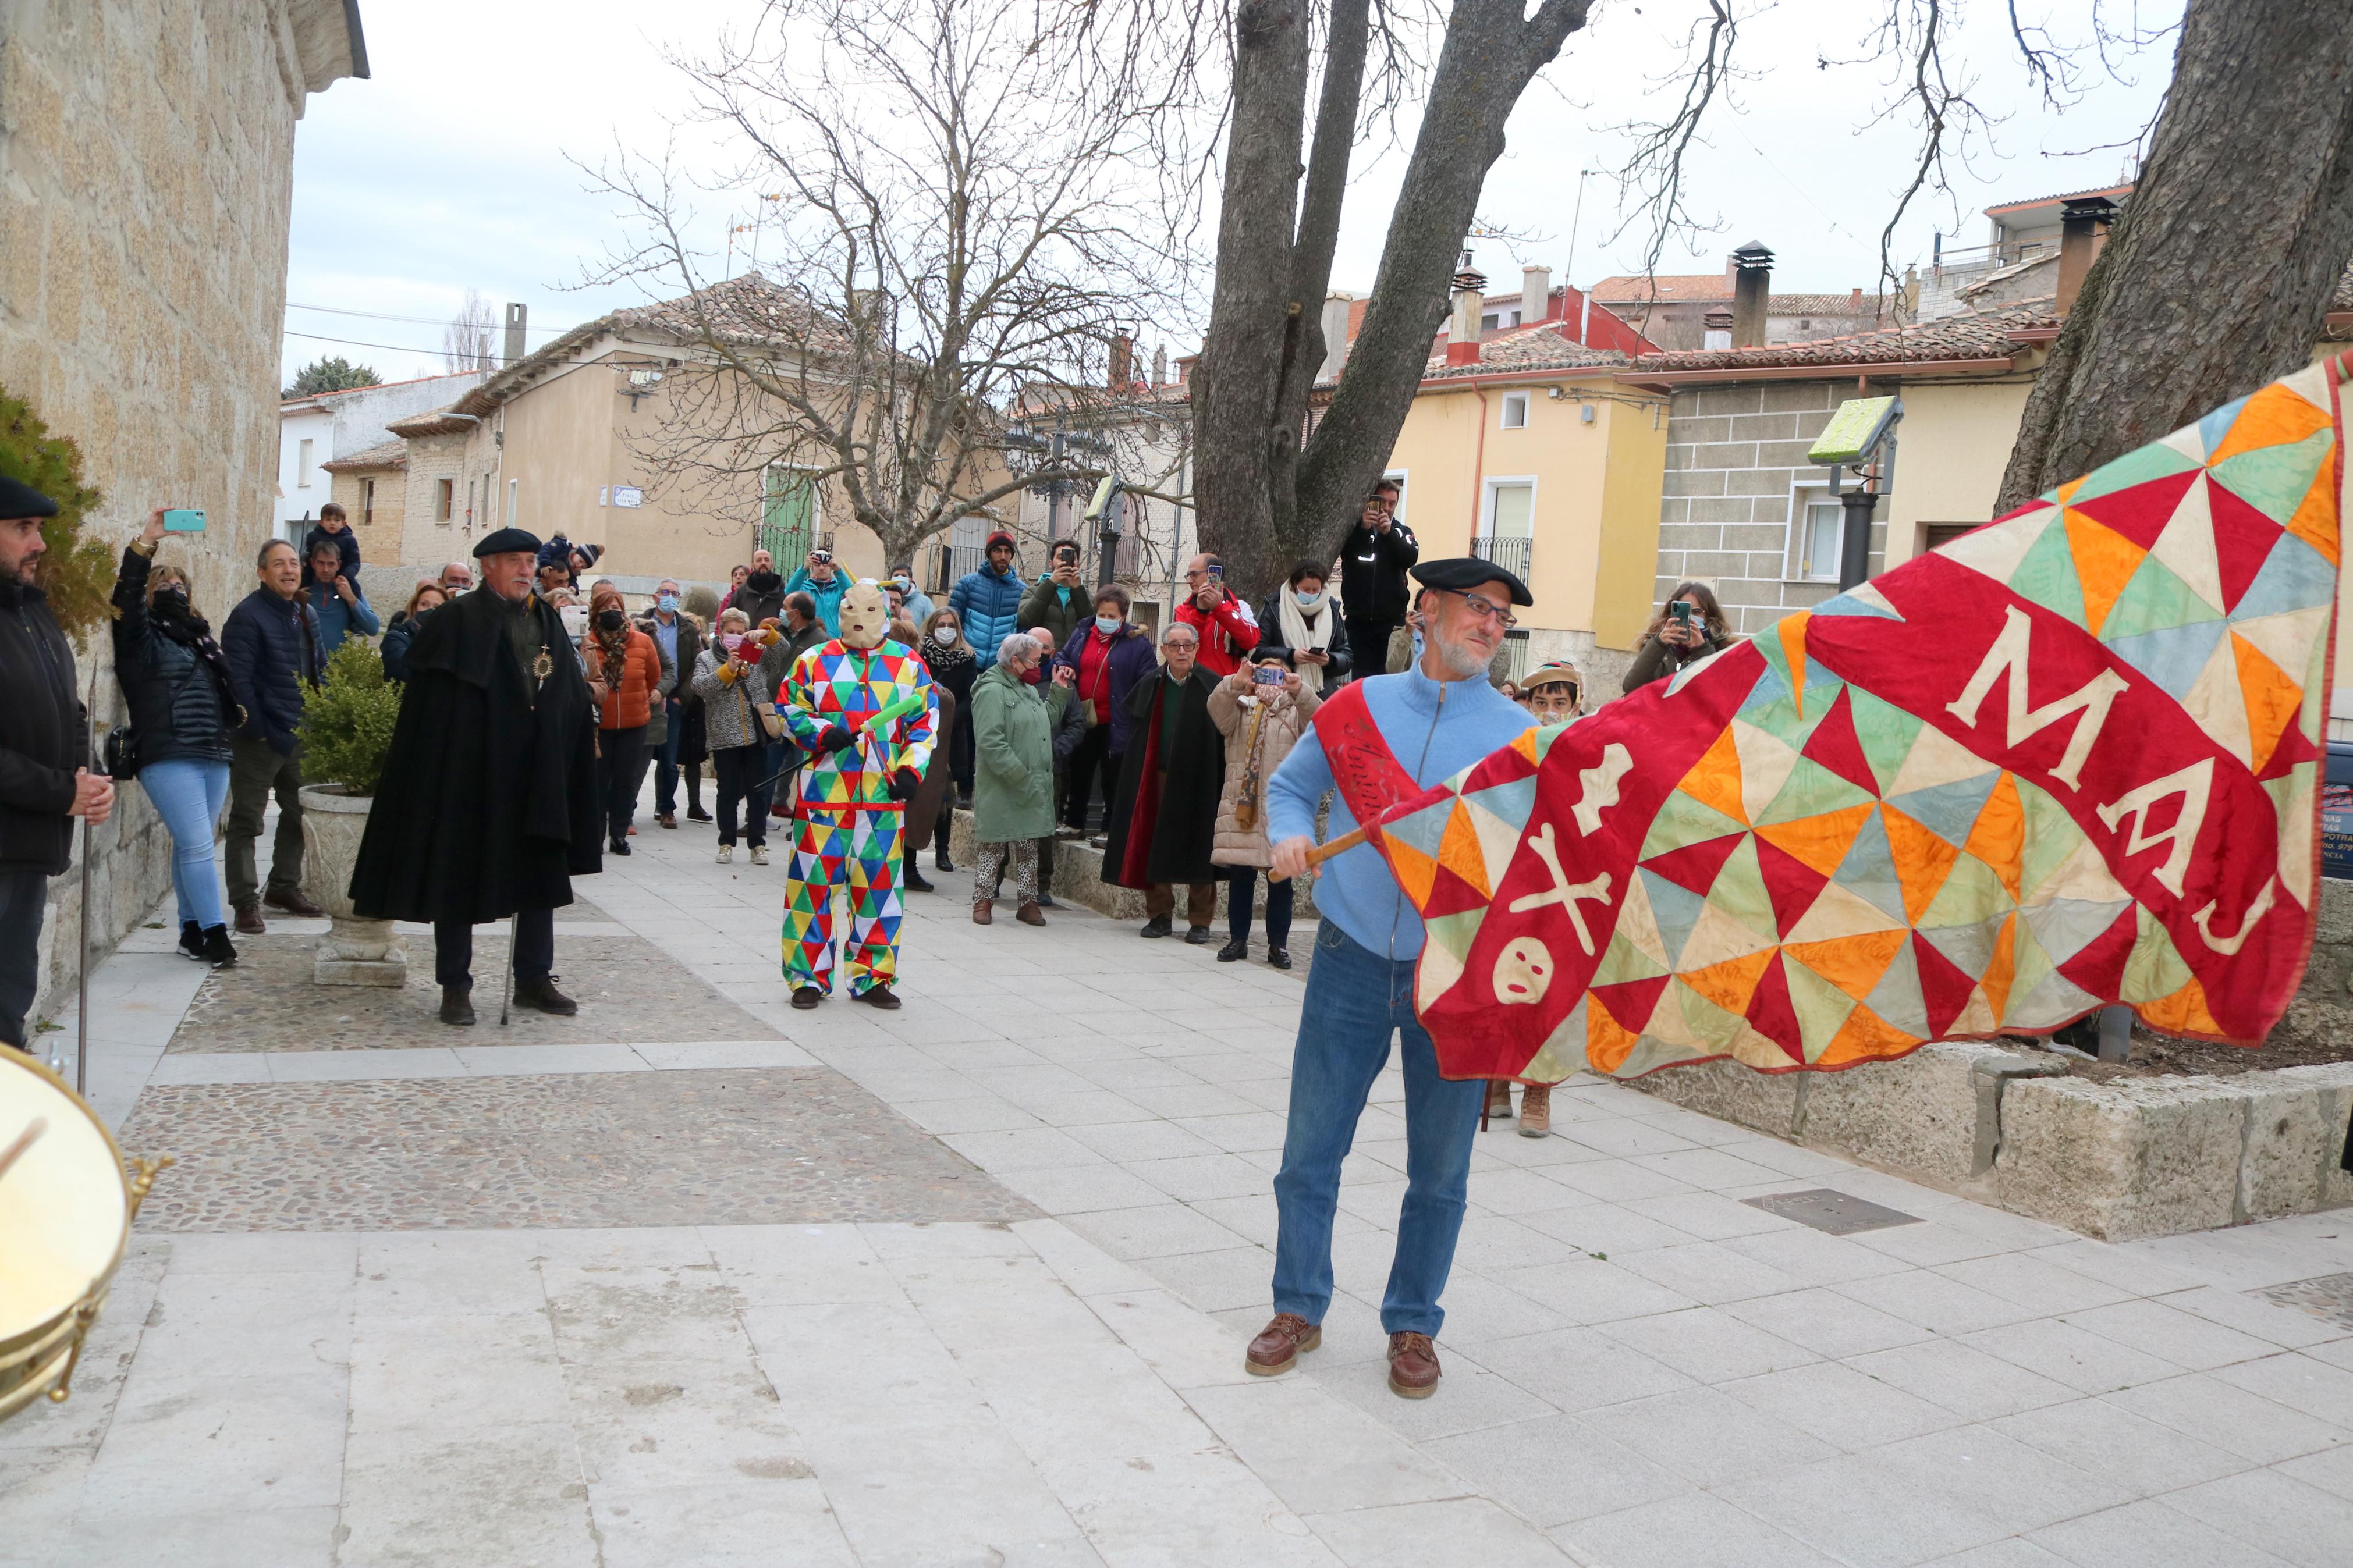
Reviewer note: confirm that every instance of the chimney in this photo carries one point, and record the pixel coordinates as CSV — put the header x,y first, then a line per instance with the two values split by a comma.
x,y
1335,336
1160,366
2083,225
1535,295
1715,328
517,317
1470,304
1752,290
1122,362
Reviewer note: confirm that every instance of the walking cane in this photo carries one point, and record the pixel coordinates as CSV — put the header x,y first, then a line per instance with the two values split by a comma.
x,y
514,941
82,1004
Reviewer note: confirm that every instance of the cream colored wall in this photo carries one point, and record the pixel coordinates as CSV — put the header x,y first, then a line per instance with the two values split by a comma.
x,y
1950,451
385,540
1596,526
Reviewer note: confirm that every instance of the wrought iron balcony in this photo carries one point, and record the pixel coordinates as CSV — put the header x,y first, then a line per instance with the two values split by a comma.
x,y
1509,552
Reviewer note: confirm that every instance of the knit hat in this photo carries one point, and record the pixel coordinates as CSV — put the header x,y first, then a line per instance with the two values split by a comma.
x,y
997,538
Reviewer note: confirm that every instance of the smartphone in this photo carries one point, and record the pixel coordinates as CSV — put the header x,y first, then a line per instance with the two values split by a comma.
x,y
1267,675
1681,610
183,519
1217,570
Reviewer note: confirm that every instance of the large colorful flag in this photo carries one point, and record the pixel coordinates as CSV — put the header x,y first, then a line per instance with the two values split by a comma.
x,y
2070,759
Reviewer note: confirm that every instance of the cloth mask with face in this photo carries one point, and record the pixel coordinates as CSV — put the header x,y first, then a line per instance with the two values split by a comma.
x,y
865,616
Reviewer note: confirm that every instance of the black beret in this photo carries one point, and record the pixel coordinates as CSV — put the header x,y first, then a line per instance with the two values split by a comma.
x,y
1461,573
505,542
20,499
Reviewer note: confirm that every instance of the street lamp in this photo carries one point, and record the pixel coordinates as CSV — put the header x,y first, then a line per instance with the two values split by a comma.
x,y
1861,438
1111,499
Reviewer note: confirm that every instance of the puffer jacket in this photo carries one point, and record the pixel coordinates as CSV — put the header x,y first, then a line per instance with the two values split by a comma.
x,y
988,601
174,694
273,654
1259,734
727,718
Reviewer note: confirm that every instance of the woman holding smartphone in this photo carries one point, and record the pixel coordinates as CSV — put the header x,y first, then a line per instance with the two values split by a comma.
x,y
182,708
1688,627
1262,709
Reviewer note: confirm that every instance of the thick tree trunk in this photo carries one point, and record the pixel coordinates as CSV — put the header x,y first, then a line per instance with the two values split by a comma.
x,y
1263,499
2218,276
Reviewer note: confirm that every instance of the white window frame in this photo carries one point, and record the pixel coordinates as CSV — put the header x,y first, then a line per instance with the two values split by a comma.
x,y
1801,496
304,465
1514,401
1488,487
1397,477
515,494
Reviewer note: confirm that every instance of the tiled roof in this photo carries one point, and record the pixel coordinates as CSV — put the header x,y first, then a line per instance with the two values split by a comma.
x,y
1541,347
1672,287
1978,334
372,386
385,455
1819,305
2110,191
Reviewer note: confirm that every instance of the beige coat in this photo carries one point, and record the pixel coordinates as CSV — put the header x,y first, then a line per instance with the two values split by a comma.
x,y
1259,746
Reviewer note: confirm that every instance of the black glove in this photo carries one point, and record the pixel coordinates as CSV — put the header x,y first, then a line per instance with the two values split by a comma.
x,y
904,782
837,738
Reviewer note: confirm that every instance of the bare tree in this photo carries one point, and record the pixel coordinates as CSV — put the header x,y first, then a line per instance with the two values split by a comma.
x,y
466,340
1265,496
962,217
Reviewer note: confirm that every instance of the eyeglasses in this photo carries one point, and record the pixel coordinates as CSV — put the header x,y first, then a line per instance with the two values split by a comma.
x,y
1485,608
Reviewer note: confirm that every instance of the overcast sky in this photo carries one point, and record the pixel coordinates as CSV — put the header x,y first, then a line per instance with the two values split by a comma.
x,y
453,166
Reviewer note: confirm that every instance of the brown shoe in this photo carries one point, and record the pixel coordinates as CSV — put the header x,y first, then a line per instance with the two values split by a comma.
x,y
878,996
668,819
981,915
1278,1346
249,922
1027,914
1499,1099
291,901
1535,1110
1413,1366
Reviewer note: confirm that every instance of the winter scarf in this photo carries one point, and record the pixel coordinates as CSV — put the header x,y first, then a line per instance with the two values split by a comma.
x,y
1296,636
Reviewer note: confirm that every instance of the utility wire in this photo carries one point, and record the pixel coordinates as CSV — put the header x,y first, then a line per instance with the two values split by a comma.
x,y
356,343
380,316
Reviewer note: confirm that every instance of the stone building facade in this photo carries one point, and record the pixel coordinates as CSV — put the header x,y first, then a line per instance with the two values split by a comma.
x,y
146,181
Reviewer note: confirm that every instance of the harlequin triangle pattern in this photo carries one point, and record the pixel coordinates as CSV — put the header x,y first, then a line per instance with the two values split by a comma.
x,y
2069,760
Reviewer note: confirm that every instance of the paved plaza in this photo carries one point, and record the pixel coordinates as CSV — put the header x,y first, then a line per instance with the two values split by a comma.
x,y
695,1279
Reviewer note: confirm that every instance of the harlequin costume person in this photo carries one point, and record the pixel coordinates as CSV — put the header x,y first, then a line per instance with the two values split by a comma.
x,y
854,789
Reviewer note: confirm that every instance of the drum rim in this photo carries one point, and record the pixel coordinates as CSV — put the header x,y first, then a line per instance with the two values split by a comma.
x,y
13,1345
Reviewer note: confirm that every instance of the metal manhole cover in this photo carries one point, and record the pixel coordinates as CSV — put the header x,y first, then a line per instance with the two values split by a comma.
x,y
2328,1298
1834,1212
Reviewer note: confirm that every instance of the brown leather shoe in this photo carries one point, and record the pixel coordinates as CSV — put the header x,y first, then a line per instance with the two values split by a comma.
x,y
291,901
878,996
1535,1110
1027,914
1278,1346
1413,1366
1499,1099
981,915
249,922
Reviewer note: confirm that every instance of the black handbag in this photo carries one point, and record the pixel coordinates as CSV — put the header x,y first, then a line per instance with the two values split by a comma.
x,y
118,753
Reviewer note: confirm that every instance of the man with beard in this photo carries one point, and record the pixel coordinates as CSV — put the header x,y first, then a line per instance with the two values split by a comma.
x,y
1378,741
762,595
488,806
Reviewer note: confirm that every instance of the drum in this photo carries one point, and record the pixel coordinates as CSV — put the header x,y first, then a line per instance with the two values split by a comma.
x,y
65,1208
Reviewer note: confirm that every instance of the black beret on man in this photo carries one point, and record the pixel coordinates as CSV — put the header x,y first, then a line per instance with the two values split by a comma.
x,y
18,499
1462,573
506,541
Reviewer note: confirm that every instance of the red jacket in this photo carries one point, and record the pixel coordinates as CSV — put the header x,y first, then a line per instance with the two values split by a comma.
x,y
1227,634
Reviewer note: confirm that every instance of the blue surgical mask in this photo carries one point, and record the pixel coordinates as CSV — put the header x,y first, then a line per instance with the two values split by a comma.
x,y
1107,625
1306,601
666,603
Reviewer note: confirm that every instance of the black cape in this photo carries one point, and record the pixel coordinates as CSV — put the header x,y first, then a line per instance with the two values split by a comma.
x,y
1163,827
488,803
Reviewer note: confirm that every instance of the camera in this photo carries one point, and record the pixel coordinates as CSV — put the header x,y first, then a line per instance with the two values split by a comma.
x,y
1267,675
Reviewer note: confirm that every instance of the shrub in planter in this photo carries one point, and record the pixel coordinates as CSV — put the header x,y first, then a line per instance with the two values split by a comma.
x,y
346,729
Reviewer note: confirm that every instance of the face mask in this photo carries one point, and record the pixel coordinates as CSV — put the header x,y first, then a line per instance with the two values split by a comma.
x,y
172,602
1107,625
610,620
666,603
1306,601
730,641
945,635
1033,675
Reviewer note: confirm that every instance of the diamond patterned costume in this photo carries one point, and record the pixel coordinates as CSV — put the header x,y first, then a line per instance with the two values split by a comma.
x,y
2068,759
846,825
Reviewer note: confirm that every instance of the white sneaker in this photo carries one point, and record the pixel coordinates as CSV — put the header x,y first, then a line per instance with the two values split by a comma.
x,y
759,854
726,854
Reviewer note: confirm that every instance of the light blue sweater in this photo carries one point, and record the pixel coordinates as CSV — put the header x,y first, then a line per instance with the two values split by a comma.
x,y
1434,730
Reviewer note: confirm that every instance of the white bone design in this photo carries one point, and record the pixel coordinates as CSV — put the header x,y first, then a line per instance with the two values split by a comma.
x,y
2228,945
1563,892
1601,786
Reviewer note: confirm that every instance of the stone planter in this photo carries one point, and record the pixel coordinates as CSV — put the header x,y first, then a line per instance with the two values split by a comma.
x,y
355,951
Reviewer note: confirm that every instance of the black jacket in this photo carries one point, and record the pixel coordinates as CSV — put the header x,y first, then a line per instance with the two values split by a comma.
x,y
176,681
1270,637
1372,571
690,648
398,633
44,733
273,645
1656,660
1164,816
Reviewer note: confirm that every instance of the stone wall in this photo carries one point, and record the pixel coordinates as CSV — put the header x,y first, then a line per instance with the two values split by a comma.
x,y
1734,453
146,150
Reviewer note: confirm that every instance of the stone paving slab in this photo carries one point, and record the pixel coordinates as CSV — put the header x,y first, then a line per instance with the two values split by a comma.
x,y
728,1146
626,987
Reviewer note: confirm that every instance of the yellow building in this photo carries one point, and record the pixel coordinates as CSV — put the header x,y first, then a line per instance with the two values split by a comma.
x,y
1536,458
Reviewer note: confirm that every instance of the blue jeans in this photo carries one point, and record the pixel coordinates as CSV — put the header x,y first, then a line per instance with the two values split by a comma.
x,y
187,795
666,759
1355,999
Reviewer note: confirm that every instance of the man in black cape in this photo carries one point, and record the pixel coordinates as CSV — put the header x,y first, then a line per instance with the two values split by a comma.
x,y
488,806
1164,820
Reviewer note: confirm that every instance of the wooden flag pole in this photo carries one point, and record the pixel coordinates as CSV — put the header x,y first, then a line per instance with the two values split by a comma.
x,y
1323,852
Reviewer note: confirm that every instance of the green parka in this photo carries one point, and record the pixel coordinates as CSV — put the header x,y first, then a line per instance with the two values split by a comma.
x,y
1013,757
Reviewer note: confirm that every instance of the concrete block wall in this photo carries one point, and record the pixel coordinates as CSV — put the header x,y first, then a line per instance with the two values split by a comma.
x,y
1732,453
